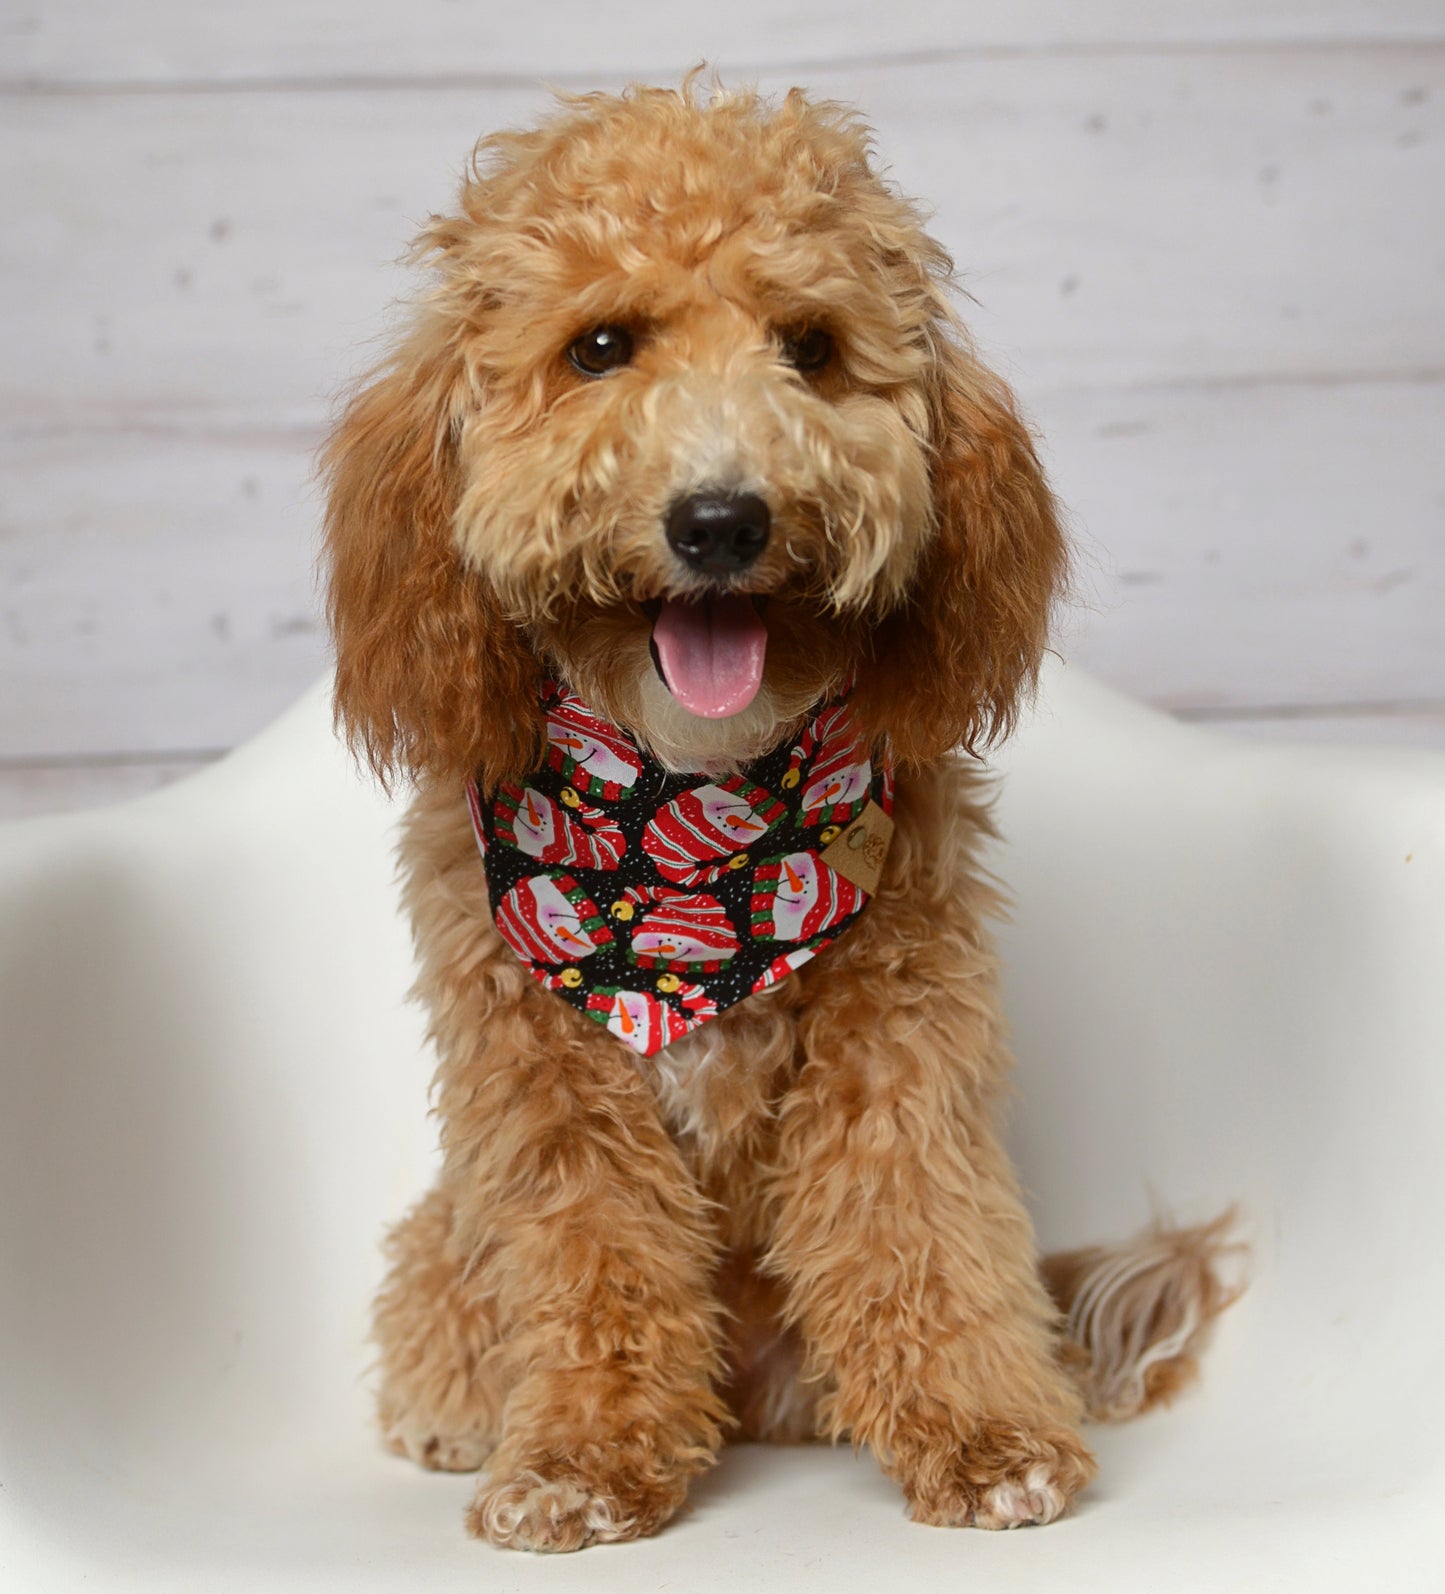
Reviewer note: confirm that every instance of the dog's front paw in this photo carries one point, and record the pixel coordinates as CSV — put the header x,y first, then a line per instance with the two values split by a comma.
x,y
561,1510
1003,1476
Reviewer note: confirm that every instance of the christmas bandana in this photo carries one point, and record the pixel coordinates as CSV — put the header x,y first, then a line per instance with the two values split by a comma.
x,y
651,901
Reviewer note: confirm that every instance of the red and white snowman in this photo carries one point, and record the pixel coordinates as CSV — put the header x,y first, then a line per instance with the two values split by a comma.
x,y
839,771
676,930
542,827
798,896
548,918
648,1022
596,757
697,837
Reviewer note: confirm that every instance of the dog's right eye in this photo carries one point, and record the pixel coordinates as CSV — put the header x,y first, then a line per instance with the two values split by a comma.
x,y
601,350
807,349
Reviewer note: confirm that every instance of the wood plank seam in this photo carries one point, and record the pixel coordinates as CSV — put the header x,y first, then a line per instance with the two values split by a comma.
x,y
157,419
38,86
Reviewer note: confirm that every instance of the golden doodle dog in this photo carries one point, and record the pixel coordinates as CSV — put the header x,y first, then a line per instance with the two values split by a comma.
x,y
673,554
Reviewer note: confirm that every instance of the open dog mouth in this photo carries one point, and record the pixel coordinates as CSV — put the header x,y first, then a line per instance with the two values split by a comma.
x,y
709,651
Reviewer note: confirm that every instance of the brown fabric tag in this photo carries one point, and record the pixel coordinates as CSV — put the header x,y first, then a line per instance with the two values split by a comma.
x,y
859,851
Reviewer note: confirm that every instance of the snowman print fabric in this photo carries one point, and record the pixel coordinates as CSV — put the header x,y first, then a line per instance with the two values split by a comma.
x,y
651,900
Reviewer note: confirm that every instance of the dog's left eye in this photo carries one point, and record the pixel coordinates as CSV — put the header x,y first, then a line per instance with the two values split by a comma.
x,y
807,349
601,350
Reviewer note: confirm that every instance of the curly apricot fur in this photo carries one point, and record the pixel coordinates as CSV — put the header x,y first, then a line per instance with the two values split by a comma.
x,y
799,1220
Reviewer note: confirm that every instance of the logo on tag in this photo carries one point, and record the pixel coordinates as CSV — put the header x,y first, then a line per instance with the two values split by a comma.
x,y
858,853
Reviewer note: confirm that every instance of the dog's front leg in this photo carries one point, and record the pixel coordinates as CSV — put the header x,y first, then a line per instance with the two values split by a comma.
x,y
899,1233
595,1241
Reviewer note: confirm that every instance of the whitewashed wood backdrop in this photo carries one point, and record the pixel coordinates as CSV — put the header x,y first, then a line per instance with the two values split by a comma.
x,y
1207,243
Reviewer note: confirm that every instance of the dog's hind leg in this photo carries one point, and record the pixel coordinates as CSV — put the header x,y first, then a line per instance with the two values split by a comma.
x,y
435,1324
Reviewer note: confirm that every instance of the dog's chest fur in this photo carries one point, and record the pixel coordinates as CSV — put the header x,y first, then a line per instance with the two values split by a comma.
x,y
680,1075
718,1087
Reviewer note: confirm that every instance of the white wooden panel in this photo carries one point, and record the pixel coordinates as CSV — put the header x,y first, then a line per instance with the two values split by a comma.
x,y
1240,548
156,591
1257,546
214,257
1210,217
70,41
1121,219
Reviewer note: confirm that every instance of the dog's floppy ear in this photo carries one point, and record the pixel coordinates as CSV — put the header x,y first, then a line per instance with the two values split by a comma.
x,y
431,676
952,664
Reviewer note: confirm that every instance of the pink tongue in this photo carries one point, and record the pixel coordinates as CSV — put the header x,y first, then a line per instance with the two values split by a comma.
x,y
711,653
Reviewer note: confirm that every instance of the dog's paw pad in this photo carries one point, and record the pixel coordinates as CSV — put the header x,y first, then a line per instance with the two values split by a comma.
x,y
530,1512
1018,1502
1004,1476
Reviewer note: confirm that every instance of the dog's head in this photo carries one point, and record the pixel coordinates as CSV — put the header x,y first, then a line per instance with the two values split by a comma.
x,y
688,420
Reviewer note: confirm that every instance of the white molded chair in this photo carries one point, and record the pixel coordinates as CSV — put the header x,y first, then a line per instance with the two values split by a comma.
x,y
1226,975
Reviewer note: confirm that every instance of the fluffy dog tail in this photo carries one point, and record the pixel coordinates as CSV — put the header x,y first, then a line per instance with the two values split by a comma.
x,y
1136,1315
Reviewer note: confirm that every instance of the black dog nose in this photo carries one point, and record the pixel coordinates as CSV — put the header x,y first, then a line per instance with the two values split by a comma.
x,y
718,533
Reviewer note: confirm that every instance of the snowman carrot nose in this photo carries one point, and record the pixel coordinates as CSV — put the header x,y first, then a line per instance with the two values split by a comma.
x,y
533,817
793,881
624,1019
